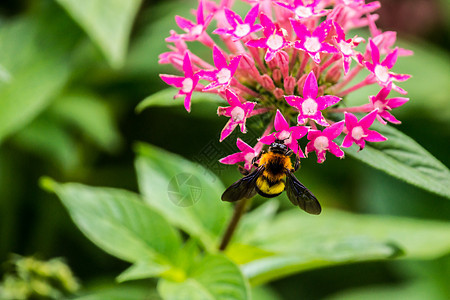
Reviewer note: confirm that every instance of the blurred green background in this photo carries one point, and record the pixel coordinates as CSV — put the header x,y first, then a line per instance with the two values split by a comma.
x,y
67,110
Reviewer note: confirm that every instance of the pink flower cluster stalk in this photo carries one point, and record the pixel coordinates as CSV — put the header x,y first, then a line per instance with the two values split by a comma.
x,y
294,61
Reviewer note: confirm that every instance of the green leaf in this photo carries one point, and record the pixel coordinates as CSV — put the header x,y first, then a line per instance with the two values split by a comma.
x,y
206,217
107,22
61,149
165,98
401,157
120,292
142,270
36,50
302,242
89,114
118,222
213,278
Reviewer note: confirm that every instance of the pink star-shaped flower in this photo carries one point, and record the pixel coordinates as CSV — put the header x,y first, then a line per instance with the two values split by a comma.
x,y
313,43
289,135
193,31
301,10
238,113
358,132
310,106
186,84
246,155
273,40
321,142
240,29
224,74
383,105
380,71
345,47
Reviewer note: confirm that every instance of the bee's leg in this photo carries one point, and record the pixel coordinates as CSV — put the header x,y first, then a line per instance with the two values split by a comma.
x,y
289,152
297,163
243,170
256,158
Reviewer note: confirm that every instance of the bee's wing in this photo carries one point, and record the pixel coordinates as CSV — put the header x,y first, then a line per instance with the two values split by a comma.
x,y
300,195
243,188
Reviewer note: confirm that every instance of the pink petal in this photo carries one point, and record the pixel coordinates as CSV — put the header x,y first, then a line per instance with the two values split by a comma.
x,y
348,141
252,15
259,43
322,30
375,52
328,48
334,130
176,81
200,17
335,149
219,59
373,136
300,30
389,117
321,156
234,63
313,134
310,88
280,122
187,102
294,101
350,121
269,27
268,139
184,23
390,59
187,66
368,119
228,129
310,147
384,92
243,146
299,131
232,159
400,77
232,98
397,101
327,101
233,18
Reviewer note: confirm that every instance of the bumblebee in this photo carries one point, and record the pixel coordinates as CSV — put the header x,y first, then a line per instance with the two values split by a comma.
x,y
273,174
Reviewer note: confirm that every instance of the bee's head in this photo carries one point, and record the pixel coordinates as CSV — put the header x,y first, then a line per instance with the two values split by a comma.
x,y
278,147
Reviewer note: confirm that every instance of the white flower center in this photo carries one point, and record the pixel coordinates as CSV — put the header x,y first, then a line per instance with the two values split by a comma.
x,y
382,73
223,76
237,114
358,133
286,136
312,44
321,143
187,85
242,30
303,11
309,107
345,47
249,156
379,105
197,30
274,42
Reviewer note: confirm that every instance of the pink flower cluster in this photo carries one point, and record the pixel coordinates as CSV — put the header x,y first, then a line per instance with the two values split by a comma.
x,y
294,61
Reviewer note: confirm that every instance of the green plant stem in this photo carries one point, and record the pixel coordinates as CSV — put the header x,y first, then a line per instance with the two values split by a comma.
x,y
239,210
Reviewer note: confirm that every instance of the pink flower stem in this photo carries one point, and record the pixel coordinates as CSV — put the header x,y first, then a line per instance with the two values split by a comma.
x,y
327,63
353,88
353,109
293,59
348,78
302,66
260,111
312,124
243,88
